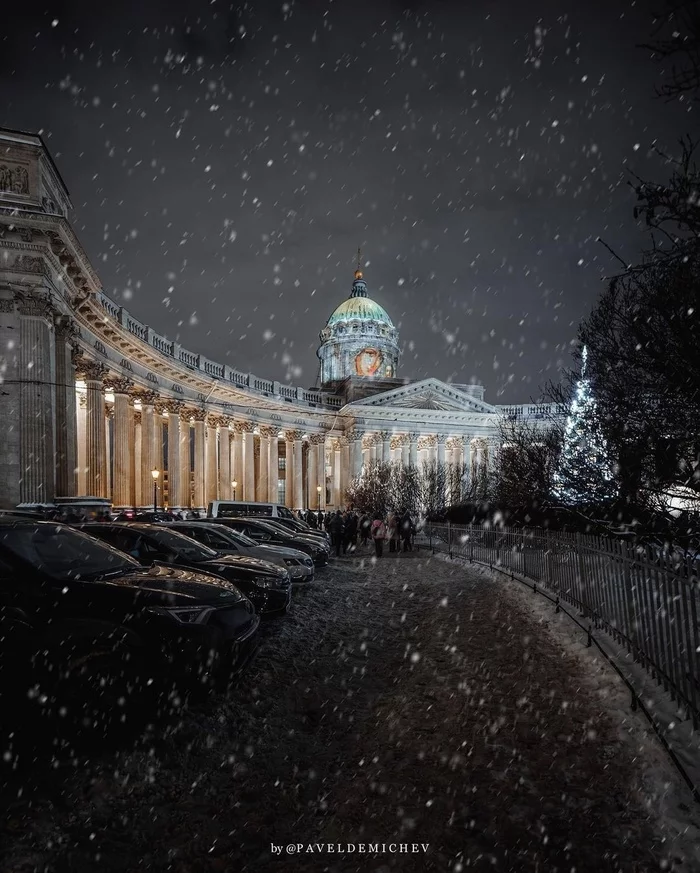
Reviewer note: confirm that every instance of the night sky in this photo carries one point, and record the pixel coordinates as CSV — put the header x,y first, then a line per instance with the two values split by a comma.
x,y
225,162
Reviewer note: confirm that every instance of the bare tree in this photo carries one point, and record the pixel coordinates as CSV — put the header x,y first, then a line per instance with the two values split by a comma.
x,y
524,471
676,38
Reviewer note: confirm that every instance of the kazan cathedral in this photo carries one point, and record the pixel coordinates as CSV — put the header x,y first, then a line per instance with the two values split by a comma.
x,y
94,402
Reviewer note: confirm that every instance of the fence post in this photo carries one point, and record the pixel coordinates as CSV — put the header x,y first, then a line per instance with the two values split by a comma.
x,y
582,577
629,601
449,539
522,546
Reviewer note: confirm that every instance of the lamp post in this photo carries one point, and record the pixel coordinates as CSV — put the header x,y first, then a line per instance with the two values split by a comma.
x,y
318,490
234,485
155,474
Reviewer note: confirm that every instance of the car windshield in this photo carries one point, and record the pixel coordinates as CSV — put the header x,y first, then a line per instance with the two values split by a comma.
x,y
230,537
277,527
64,553
182,545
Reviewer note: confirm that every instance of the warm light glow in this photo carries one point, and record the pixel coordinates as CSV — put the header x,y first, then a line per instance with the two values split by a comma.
x,y
234,484
155,474
319,489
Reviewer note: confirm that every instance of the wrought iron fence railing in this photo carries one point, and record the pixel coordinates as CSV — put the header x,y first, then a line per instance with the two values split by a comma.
x,y
647,600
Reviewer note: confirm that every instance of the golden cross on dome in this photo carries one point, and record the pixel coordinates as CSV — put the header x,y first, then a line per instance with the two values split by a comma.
x,y
358,271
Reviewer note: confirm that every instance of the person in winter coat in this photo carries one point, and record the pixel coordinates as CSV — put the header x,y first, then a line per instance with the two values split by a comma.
x,y
365,525
407,532
350,532
378,534
391,526
337,529
320,519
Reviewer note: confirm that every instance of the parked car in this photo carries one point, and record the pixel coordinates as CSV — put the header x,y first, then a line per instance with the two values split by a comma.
x,y
235,508
84,626
294,526
266,585
230,542
261,531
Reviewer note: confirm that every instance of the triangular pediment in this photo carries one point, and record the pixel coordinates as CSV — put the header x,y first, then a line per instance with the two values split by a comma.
x,y
429,394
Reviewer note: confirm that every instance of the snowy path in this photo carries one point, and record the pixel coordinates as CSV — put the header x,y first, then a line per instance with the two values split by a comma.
x,y
411,701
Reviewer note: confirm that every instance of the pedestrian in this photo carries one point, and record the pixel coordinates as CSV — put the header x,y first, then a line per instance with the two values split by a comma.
x,y
336,531
365,525
320,518
378,534
407,531
391,526
351,532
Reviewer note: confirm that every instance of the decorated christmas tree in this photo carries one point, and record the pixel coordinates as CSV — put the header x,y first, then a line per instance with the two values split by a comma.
x,y
585,474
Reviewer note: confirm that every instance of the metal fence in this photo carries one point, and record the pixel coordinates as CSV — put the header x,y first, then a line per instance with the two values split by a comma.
x,y
645,599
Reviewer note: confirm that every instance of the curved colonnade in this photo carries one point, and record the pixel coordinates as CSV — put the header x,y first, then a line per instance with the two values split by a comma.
x,y
93,400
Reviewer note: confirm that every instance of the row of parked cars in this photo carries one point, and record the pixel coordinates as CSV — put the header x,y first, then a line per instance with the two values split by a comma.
x,y
112,617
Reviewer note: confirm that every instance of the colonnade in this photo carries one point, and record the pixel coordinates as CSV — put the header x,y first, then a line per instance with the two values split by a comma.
x,y
125,432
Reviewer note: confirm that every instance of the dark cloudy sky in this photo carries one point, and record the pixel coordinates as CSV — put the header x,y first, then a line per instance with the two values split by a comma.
x,y
225,161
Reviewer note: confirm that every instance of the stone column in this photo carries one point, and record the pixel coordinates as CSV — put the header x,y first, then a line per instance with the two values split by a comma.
x,y
225,477
66,459
316,448
289,469
109,452
335,455
267,434
122,486
413,449
441,440
356,437
200,502
136,458
405,450
373,448
95,431
37,375
247,428
237,470
82,437
150,459
174,408
321,470
211,489
273,467
385,437
185,499
297,481
344,469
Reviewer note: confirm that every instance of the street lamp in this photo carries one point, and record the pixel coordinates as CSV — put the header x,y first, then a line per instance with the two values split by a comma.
x,y
234,485
319,489
155,474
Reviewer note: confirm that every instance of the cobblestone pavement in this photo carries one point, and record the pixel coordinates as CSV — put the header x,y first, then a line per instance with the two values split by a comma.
x,y
403,701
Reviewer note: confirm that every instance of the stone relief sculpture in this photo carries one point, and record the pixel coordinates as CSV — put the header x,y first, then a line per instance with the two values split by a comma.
x,y
14,179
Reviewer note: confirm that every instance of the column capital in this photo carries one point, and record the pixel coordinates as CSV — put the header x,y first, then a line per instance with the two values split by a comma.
x,y
172,407
244,426
413,437
66,329
385,435
293,435
147,398
91,371
211,419
317,439
355,434
186,415
199,414
441,438
137,417
117,384
398,441
457,442
268,432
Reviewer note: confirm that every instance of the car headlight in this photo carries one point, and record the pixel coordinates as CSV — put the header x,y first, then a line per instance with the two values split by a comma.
x,y
270,581
308,562
183,614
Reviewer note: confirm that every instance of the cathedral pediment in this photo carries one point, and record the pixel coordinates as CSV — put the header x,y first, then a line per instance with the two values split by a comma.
x,y
429,395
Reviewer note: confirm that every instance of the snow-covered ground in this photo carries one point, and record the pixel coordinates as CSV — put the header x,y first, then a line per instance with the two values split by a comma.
x,y
410,700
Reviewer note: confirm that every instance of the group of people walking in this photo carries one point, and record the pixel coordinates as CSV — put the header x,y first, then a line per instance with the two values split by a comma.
x,y
350,529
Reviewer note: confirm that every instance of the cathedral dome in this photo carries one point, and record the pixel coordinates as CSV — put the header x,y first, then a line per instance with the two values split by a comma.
x,y
359,339
360,309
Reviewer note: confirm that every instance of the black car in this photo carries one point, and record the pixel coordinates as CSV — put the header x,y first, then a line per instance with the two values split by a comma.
x,y
266,585
76,612
264,532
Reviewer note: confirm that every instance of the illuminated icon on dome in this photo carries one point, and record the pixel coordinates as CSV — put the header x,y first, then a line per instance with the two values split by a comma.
x,y
368,362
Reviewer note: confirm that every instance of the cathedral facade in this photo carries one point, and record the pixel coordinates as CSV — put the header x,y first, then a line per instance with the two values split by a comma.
x,y
94,402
